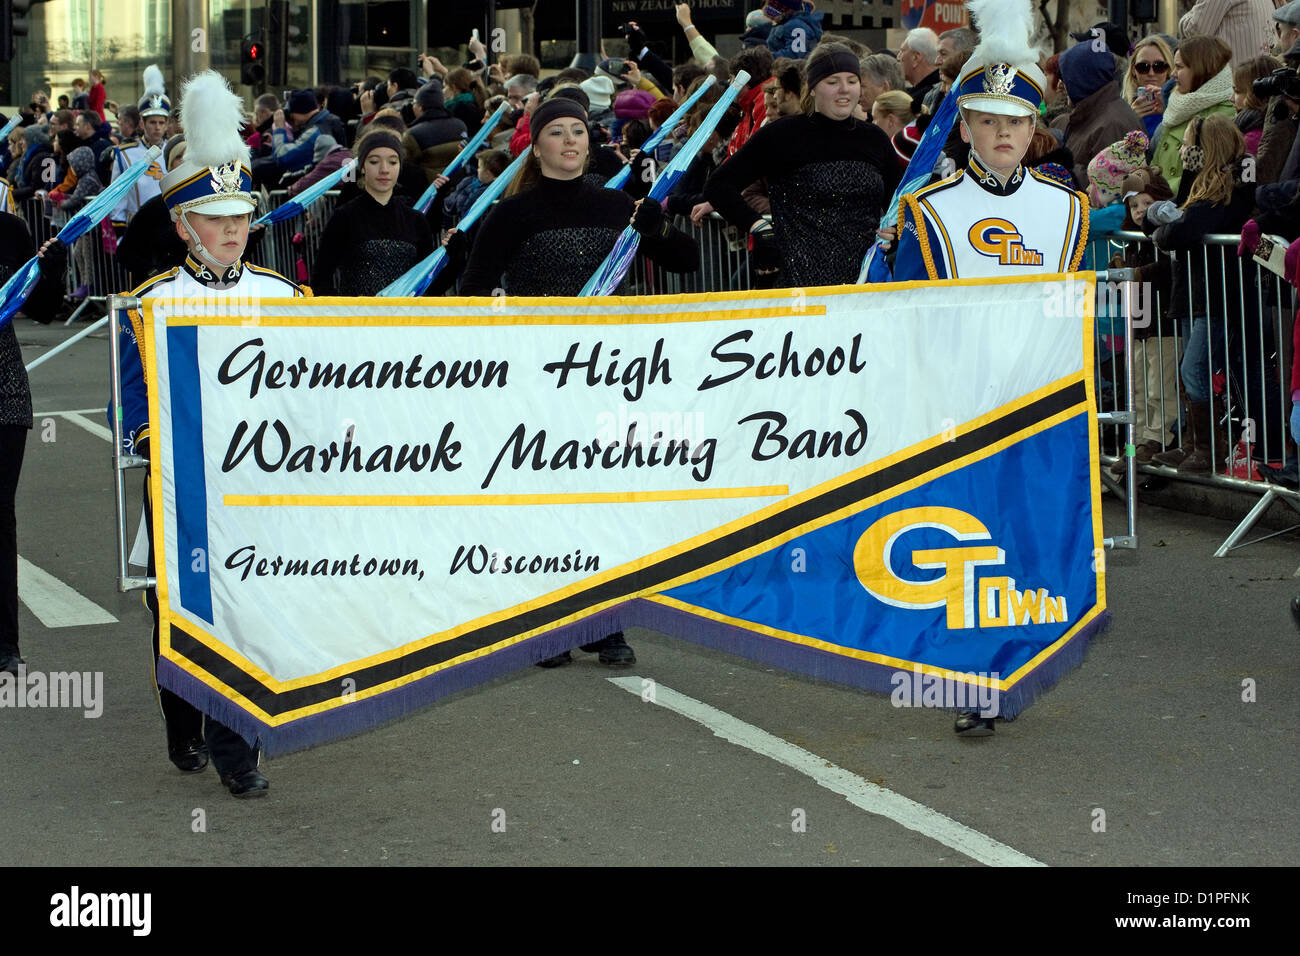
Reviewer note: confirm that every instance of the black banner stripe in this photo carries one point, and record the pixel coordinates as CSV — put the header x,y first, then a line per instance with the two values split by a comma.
x,y
627,584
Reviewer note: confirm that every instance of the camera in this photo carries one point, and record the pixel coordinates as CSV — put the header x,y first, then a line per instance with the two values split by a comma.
x,y
625,28
1283,82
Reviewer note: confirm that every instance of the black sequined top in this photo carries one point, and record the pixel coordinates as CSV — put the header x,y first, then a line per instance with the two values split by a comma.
x,y
550,239
366,245
828,182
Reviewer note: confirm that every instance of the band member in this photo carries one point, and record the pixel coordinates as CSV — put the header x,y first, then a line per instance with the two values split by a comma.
x,y
209,199
996,217
154,111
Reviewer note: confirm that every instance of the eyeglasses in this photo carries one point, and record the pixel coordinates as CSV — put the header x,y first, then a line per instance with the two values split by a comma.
x,y
1153,66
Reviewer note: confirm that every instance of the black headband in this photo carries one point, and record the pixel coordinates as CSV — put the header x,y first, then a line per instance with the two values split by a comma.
x,y
558,107
830,64
379,139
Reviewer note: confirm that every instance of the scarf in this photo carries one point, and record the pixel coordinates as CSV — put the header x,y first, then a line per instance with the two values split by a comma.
x,y
1183,106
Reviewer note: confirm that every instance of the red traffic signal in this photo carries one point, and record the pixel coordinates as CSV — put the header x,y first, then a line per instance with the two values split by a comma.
x,y
252,68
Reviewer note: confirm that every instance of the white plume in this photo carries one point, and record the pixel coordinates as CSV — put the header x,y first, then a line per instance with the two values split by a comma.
x,y
1006,30
211,117
154,84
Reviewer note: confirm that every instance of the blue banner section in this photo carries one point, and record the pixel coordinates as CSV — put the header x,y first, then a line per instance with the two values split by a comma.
x,y
191,481
963,573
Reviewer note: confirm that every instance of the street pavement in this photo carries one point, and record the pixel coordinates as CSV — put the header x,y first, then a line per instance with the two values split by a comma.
x,y
1172,744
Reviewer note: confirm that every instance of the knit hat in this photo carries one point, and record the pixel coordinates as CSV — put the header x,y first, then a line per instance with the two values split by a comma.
x,y
599,90
1288,13
430,96
1002,74
36,135
215,178
778,10
575,93
154,102
378,139
758,18
1108,168
1085,70
633,104
905,142
558,108
302,101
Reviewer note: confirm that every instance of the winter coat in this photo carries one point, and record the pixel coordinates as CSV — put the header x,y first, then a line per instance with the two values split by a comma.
x,y
433,141
1095,123
1214,96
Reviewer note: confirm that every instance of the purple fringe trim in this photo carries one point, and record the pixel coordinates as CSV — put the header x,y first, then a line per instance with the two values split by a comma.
x,y
374,711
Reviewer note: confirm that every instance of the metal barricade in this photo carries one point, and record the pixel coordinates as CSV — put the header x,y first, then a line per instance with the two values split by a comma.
x,y
290,246
1240,321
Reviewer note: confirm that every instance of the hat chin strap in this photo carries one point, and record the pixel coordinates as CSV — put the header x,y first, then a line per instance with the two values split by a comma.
x,y
200,250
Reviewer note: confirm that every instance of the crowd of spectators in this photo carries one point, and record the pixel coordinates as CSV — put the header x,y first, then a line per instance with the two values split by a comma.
x,y
1116,108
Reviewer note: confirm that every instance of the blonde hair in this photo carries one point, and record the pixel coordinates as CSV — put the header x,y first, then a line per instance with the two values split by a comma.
x,y
1223,147
1131,80
897,104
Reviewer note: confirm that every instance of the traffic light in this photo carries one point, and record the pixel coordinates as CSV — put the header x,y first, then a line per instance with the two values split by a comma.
x,y
13,23
252,61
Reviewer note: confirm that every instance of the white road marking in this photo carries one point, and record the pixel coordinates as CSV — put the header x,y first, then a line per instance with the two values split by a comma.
x,y
96,429
74,411
861,793
53,602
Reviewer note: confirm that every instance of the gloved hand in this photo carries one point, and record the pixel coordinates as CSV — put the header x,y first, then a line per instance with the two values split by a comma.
x,y
636,41
457,246
648,219
141,446
53,260
1164,212
1249,238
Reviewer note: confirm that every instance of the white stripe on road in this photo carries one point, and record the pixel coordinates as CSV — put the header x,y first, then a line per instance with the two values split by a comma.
x,y
861,793
96,429
53,602
74,411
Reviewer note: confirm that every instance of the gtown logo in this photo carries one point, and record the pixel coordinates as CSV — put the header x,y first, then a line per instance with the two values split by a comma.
x,y
987,601
1001,240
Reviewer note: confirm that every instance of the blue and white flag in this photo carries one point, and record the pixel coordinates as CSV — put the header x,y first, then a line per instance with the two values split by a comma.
x,y
308,196
664,129
20,284
611,272
919,169
419,276
426,199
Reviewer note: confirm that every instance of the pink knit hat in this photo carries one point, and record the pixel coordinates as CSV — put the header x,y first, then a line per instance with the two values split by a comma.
x,y
1108,168
633,104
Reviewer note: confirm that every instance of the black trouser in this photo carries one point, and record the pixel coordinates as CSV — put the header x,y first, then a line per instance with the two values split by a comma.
x,y
230,753
13,440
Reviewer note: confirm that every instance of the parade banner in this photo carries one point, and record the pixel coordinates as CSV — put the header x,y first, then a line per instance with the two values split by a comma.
x,y
363,505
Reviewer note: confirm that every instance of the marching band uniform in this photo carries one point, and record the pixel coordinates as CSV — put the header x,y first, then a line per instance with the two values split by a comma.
x,y
153,103
983,223
974,224
214,182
